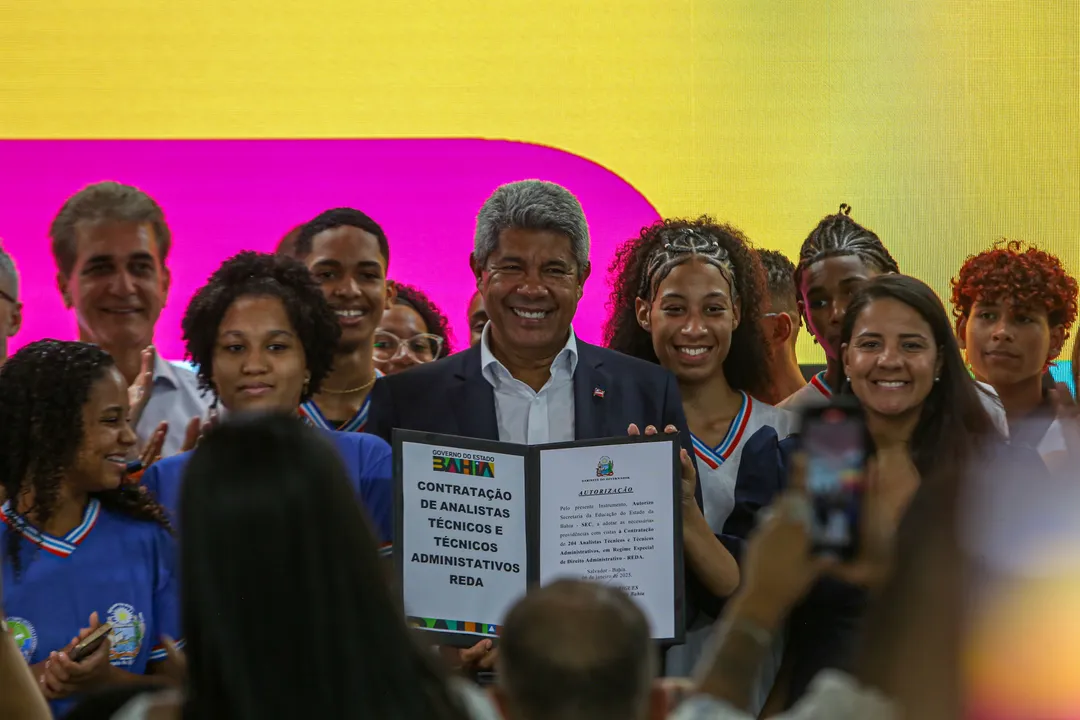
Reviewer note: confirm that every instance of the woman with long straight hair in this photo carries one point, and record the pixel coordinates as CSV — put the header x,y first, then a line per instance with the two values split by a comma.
x,y
901,360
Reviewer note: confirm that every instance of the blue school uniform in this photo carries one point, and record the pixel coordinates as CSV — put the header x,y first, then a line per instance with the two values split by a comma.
x,y
368,464
121,568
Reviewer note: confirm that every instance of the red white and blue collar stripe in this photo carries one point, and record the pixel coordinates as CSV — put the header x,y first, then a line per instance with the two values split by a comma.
x,y
818,381
714,457
62,547
314,416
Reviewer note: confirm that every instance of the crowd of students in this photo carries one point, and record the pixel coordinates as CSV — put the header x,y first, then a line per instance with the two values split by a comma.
x,y
205,510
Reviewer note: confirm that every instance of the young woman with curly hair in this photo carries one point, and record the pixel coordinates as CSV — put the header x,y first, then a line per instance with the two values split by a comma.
x,y
80,547
411,332
1014,305
263,337
687,294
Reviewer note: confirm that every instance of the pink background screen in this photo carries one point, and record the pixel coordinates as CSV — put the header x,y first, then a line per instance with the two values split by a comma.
x,y
221,197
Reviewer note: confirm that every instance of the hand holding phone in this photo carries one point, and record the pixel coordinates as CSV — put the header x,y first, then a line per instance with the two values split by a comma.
x,y
836,444
83,665
86,647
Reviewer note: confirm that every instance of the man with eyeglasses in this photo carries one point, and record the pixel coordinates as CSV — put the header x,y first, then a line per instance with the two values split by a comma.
x,y
348,255
413,331
10,307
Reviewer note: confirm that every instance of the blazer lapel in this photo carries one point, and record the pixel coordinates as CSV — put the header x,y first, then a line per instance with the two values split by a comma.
x,y
474,399
592,388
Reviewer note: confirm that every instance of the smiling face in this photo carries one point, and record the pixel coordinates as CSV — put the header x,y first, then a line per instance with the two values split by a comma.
x,y
1007,344
531,285
827,288
403,340
117,285
892,359
259,363
349,267
101,460
691,319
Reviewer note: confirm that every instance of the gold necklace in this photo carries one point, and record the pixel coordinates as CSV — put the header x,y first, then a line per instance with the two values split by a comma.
x,y
350,391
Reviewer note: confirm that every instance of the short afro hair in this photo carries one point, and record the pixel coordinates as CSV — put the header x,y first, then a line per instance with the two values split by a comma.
x,y
338,217
437,323
252,274
746,366
1028,276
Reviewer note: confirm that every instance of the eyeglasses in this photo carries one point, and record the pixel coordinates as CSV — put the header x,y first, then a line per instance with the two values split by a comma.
x,y
423,348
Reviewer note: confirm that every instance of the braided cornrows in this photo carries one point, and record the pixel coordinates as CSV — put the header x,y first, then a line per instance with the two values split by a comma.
x,y
840,235
643,262
43,389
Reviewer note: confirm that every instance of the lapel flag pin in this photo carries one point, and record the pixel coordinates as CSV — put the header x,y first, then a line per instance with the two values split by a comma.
x,y
597,392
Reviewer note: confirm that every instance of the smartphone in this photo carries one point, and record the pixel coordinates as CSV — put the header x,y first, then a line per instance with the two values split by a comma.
x,y
90,643
837,445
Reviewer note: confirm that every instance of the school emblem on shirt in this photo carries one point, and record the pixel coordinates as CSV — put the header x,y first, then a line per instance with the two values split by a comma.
x,y
127,635
605,467
25,636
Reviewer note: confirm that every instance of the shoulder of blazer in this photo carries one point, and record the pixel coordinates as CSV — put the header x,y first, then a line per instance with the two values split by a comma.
x,y
457,365
619,364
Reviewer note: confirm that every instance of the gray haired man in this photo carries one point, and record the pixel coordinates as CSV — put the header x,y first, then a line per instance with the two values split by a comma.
x,y
10,307
529,380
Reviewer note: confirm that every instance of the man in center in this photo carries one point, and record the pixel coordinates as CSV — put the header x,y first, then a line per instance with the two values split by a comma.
x,y
530,380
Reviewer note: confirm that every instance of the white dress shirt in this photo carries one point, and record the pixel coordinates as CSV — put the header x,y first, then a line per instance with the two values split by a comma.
x,y
175,398
525,416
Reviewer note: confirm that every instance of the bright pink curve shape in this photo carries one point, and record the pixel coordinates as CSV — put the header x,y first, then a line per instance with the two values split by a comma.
x,y
224,196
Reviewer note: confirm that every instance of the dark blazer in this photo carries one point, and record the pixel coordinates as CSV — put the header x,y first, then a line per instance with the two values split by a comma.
x,y
452,397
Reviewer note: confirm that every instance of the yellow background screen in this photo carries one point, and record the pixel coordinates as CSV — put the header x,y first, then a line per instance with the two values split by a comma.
x,y
944,123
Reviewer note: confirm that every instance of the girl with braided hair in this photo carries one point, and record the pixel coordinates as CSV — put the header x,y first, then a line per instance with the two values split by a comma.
x,y
688,294
80,546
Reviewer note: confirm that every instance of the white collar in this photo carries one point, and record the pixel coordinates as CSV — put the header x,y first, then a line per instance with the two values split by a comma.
x,y
569,353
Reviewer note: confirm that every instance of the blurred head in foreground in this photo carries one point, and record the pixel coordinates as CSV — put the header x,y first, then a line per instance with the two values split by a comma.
x,y
284,601
575,650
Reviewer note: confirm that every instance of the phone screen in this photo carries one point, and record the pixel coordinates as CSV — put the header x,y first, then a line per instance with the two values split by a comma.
x,y
834,441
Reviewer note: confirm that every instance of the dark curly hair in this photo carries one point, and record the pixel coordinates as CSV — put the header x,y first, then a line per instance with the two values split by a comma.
x,y
746,366
1028,276
43,388
838,235
437,323
261,274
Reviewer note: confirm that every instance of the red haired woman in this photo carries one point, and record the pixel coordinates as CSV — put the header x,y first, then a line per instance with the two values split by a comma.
x,y
1014,305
